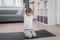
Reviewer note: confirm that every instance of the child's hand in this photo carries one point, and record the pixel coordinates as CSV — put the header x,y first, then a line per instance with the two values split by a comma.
x,y
32,2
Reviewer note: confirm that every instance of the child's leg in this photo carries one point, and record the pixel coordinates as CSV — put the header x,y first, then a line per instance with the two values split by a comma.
x,y
33,33
27,33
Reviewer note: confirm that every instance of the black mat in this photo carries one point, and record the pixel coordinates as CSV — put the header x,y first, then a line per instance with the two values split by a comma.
x,y
12,36
43,33
20,35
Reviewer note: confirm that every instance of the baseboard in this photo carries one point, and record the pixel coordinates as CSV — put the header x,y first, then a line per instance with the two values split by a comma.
x,y
11,22
58,24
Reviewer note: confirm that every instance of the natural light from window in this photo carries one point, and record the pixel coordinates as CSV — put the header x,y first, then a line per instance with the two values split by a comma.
x,y
15,3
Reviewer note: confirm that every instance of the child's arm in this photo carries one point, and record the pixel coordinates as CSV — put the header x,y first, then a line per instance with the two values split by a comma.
x,y
23,11
33,9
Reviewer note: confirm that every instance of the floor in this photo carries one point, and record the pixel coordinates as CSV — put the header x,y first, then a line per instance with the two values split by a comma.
x,y
18,27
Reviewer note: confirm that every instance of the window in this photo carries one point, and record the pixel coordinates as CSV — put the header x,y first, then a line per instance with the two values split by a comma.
x,y
8,2
17,3
0,2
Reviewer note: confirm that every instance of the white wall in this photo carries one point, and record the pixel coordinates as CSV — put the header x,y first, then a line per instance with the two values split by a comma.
x,y
58,12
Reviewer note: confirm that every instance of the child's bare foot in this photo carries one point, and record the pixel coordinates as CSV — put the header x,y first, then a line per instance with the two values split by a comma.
x,y
28,36
34,34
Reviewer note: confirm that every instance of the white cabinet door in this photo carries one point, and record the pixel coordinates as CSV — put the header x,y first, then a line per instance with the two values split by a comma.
x,y
58,12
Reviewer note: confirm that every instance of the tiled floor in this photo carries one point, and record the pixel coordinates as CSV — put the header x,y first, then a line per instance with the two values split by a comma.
x,y
18,27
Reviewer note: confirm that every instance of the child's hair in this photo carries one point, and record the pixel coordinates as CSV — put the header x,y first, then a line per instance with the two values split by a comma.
x,y
28,10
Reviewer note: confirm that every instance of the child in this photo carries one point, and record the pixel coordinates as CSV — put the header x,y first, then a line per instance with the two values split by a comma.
x,y
28,23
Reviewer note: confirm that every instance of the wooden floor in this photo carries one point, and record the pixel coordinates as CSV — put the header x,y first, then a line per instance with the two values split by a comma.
x,y
18,27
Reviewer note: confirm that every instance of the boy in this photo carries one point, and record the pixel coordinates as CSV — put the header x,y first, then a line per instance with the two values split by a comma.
x,y
28,23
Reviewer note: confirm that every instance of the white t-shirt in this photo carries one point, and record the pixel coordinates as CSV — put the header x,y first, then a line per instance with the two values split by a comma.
x,y
28,22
